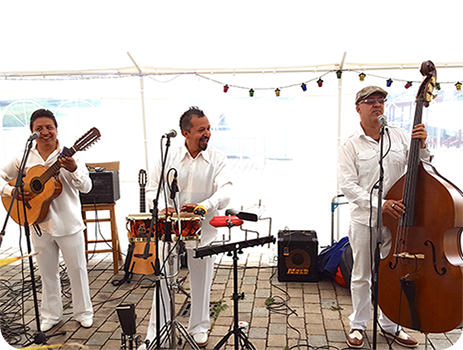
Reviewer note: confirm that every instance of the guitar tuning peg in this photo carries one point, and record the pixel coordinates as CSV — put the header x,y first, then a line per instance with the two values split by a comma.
x,y
434,96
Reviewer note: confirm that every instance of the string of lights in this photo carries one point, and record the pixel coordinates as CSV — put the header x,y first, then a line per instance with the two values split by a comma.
x,y
154,75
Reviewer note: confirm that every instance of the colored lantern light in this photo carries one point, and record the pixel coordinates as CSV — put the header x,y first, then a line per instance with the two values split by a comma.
x,y
339,74
225,88
408,84
251,92
277,92
320,82
304,87
389,82
438,86
458,85
362,76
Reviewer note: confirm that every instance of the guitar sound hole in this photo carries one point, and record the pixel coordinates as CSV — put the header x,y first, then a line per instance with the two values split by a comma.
x,y
36,186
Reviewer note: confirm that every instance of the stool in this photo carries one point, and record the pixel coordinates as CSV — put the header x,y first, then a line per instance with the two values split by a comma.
x,y
114,242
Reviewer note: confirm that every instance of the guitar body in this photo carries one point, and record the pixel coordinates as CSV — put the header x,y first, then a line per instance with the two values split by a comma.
x,y
37,208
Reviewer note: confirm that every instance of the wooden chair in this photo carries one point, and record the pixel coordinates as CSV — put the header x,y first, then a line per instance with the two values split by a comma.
x,y
115,246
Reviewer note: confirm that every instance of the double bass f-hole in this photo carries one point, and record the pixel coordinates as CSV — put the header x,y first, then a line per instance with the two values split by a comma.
x,y
434,259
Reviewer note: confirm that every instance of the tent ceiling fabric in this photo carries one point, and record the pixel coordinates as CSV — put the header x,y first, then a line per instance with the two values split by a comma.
x,y
57,36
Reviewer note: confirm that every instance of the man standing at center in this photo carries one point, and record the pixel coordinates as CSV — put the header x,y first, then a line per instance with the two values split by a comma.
x,y
203,179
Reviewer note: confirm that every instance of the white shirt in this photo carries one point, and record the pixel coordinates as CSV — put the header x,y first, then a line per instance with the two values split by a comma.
x,y
64,216
203,180
358,169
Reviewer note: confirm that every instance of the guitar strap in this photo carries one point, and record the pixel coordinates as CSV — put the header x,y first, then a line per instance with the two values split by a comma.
x,y
37,230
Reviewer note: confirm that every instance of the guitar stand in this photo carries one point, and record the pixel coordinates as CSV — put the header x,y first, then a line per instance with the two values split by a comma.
x,y
236,248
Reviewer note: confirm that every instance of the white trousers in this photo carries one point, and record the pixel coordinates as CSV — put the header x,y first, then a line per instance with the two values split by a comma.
x,y
201,273
73,250
362,251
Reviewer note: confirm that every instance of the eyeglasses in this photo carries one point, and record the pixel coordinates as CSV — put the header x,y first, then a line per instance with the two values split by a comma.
x,y
372,101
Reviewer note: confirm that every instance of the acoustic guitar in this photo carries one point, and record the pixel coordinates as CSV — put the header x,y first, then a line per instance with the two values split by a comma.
x,y
43,184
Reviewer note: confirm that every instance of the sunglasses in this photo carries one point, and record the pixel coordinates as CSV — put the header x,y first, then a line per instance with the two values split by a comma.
x,y
371,101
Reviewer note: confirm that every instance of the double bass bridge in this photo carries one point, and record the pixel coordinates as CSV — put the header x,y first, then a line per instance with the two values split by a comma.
x,y
406,255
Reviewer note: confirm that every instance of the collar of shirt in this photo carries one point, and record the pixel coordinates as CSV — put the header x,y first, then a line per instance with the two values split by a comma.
x,y
204,154
361,133
52,154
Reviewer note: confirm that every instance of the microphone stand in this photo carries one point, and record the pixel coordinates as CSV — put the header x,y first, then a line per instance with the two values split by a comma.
x,y
173,325
155,222
379,238
39,337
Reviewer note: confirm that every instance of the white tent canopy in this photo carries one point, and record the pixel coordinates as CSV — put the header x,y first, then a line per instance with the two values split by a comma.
x,y
64,36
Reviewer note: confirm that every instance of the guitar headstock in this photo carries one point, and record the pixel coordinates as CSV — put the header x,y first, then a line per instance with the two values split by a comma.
x,y
142,178
428,70
90,137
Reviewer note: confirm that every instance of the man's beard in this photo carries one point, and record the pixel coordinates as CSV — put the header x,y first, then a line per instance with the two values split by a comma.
x,y
202,147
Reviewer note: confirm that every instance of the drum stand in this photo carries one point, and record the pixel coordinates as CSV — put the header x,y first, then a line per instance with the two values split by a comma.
x,y
240,337
173,325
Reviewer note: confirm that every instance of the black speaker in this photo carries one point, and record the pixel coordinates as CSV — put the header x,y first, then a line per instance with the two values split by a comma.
x,y
297,256
105,188
127,318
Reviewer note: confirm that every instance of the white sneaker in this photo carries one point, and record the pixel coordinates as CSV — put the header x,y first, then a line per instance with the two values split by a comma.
x,y
200,339
87,323
46,326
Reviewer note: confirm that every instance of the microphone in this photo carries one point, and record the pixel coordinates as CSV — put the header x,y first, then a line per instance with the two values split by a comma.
x,y
174,185
382,120
35,135
171,134
200,210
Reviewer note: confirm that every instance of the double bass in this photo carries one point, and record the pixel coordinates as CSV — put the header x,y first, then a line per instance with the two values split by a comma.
x,y
420,283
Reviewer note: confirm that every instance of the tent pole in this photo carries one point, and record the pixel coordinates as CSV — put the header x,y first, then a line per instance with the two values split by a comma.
x,y
142,93
339,135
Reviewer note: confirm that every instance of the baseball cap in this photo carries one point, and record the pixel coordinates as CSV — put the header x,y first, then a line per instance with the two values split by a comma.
x,y
368,91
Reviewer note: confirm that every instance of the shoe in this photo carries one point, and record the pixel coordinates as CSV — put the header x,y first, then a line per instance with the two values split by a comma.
x,y
142,347
44,327
87,323
200,339
401,338
355,338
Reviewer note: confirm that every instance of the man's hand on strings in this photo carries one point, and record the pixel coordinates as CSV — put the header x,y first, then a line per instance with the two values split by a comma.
x,y
394,208
19,197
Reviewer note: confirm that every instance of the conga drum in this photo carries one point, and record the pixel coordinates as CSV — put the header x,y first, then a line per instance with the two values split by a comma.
x,y
138,231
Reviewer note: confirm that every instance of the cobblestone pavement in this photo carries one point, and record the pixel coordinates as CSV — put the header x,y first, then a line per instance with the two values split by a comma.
x,y
278,315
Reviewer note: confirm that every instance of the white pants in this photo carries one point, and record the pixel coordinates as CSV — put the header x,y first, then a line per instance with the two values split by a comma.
x,y
201,273
362,251
73,250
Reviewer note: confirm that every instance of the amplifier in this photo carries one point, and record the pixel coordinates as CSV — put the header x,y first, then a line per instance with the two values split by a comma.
x,y
105,188
297,256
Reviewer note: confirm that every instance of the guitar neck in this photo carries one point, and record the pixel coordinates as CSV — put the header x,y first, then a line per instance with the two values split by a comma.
x,y
54,169
142,200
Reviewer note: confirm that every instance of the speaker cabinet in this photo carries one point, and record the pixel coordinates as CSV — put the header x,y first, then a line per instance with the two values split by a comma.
x,y
297,256
105,188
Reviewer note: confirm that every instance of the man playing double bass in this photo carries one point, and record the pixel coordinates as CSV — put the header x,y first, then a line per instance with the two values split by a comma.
x,y
358,171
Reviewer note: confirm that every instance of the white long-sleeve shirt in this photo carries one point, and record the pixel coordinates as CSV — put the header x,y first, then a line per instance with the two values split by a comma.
x,y
358,169
203,180
64,216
